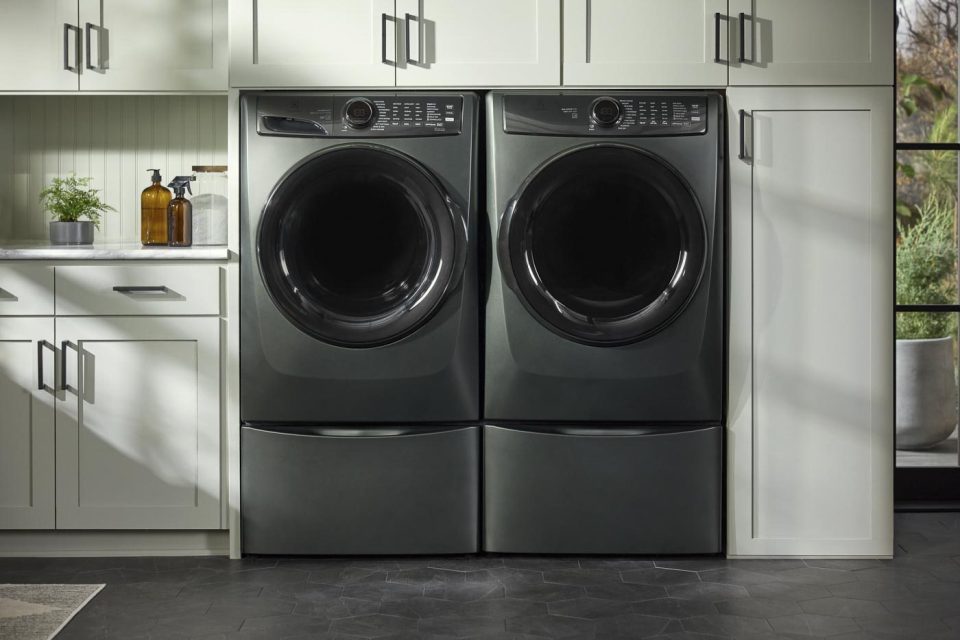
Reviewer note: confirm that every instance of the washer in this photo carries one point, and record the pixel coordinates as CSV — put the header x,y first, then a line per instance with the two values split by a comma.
x,y
359,356
604,383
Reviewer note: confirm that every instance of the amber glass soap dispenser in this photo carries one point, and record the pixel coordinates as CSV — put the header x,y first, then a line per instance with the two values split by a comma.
x,y
153,211
180,214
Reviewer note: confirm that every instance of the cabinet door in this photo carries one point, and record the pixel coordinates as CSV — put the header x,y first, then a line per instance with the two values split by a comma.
x,y
39,46
26,423
810,453
138,424
645,42
486,43
175,45
312,43
813,42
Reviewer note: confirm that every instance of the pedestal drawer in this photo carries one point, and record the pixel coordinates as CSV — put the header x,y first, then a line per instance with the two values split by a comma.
x,y
26,290
130,290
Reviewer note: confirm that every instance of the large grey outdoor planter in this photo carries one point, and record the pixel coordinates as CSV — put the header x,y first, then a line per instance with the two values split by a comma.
x,y
80,232
926,392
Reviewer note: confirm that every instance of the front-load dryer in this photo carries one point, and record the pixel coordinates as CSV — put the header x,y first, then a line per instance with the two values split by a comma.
x,y
604,375
359,338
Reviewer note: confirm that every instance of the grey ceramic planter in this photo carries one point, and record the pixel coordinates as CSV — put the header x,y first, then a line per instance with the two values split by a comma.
x,y
80,232
926,392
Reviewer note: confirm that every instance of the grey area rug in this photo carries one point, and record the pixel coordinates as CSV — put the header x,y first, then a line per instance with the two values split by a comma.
x,y
39,611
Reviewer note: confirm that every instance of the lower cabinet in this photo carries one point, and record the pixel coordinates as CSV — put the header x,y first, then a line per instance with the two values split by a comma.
x,y
810,442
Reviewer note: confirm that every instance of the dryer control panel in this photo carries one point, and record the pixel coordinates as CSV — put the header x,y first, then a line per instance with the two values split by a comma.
x,y
374,115
648,113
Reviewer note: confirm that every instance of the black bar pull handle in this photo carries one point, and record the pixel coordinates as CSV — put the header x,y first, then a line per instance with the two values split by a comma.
x,y
137,289
407,19
99,66
67,28
716,37
743,38
41,345
384,19
64,345
743,139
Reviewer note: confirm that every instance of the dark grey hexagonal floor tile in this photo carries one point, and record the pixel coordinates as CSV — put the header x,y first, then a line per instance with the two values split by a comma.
x,y
674,608
514,574
895,573
813,575
726,625
758,607
811,624
285,625
788,591
935,589
462,627
342,575
616,564
465,592
542,592
853,564
272,575
224,590
465,563
582,577
374,626
626,592
843,607
250,607
421,607
659,577
301,590
589,608
935,607
633,625
693,564
707,591
194,624
425,576
872,590
775,565
541,563
336,608
686,635
504,608
741,577
550,626
902,625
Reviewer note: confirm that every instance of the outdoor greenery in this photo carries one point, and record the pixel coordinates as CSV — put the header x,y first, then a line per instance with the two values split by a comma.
x,y
70,199
927,180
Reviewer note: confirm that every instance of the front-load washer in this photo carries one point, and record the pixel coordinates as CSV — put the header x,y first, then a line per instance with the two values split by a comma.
x,y
604,376
359,356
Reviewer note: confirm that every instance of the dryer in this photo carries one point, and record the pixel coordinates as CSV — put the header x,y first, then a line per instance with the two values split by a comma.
x,y
604,374
359,356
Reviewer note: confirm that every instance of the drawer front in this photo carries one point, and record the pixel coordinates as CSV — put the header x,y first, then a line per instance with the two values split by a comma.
x,y
126,290
26,290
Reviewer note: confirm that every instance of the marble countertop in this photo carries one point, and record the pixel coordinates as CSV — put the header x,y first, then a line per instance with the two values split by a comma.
x,y
126,251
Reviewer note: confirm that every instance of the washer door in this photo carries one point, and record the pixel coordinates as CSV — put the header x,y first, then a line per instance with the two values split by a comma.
x,y
604,244
359,245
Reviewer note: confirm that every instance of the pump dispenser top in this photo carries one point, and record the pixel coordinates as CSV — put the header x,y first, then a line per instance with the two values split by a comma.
x,y
180,183
156,177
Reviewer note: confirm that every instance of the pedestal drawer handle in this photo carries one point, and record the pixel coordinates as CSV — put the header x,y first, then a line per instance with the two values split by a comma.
x,y
152,289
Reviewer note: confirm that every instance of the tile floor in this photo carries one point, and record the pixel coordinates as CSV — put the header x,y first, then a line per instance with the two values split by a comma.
x,y
916,595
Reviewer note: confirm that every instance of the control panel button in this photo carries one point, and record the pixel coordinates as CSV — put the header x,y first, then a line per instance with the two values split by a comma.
x,y
606,112
359,113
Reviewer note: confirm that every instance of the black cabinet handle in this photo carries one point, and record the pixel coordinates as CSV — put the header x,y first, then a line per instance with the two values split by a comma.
x,y
743,140
64,345
716,37
743,38
150,289
384,19
407,19
99,66
67,28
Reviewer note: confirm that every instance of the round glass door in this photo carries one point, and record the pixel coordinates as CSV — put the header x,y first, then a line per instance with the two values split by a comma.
x,y
359,245
604,244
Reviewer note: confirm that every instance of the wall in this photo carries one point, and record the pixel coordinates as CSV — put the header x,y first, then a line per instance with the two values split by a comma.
x,y
113,139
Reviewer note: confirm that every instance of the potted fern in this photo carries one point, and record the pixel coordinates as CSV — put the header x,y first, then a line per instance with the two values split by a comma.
x,y
926,274
76,209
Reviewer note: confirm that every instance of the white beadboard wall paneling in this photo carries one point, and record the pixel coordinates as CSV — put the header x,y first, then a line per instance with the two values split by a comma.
x,y
113,139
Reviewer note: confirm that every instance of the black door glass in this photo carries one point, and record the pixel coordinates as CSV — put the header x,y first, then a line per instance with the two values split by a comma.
x,y
604,244
359,245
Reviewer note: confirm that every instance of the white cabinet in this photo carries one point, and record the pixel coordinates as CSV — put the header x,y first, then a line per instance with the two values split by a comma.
x,y
810,447
27,423
479,43
645,42
813,42
175,45
40,48
113,45
312,43
138,429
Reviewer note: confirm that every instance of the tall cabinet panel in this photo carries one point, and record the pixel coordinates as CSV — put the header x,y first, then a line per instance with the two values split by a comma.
x,y
813,42
139,451
27,362
175,45
40,47
645,42
312,43
478,43
811,329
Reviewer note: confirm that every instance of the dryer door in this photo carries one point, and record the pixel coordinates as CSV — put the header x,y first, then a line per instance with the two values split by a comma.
x,y
604,244
359,245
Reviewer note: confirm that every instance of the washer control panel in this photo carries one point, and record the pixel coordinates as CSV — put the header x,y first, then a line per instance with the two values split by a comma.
x,y
359,116
648,113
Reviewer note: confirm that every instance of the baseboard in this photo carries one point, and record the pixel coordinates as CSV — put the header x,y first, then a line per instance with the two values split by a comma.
x,y
113,543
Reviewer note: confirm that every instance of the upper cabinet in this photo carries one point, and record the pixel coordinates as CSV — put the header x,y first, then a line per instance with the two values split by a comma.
x,y
312,43
486,43
814,42
645,42
113,45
